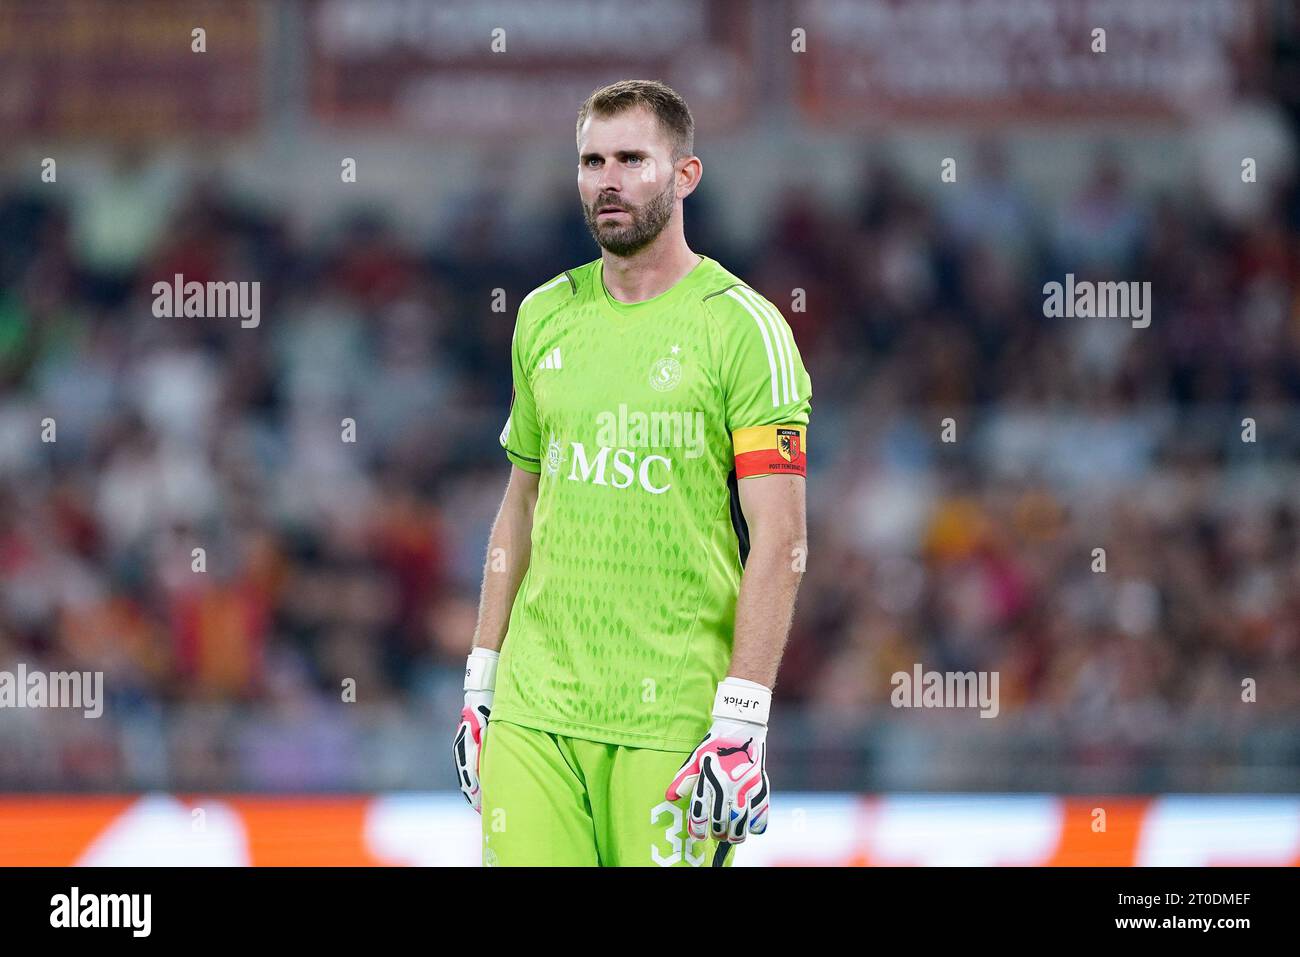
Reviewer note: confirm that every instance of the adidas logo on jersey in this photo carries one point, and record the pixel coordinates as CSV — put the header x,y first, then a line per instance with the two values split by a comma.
x,y
552,360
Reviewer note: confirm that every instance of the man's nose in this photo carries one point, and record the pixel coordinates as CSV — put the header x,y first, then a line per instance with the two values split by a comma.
x,y
609,182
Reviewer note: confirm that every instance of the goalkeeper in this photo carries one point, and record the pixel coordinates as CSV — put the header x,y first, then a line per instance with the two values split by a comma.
x,y
642,570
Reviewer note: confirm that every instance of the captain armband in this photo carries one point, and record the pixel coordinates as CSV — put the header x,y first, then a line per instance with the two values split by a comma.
x,y
771,449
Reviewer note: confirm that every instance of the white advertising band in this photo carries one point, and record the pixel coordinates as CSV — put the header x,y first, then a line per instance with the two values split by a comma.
x,y
481,670
742,700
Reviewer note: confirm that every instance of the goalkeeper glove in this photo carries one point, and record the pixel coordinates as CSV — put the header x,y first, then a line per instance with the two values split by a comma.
x,y
480,687
727,770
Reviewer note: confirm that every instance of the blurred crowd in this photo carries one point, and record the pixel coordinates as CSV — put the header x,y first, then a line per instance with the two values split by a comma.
x,y
970,457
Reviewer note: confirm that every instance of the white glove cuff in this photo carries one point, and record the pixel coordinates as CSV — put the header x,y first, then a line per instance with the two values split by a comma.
x,y
742,700
481,670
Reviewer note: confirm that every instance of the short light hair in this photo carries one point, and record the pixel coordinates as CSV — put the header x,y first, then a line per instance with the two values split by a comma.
x,y
670,110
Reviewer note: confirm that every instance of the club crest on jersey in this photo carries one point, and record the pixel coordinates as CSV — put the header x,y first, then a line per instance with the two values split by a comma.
x,y
787,443
665,374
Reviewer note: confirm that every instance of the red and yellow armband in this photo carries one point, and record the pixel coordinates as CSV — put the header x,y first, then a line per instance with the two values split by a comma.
x,y
771,449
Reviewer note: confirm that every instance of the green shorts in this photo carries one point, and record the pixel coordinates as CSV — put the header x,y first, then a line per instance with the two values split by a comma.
x,y
554,800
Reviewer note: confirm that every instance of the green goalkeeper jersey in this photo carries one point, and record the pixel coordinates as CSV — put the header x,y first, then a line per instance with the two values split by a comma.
x,y
640,419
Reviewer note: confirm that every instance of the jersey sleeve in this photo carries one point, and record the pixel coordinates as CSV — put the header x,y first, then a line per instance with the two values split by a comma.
x,y
767,392
520,437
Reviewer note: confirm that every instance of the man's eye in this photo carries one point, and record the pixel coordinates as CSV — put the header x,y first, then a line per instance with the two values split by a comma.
x,y
634,159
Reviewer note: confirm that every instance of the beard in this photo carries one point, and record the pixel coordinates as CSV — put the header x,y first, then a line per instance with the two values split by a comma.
x,y
645,223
